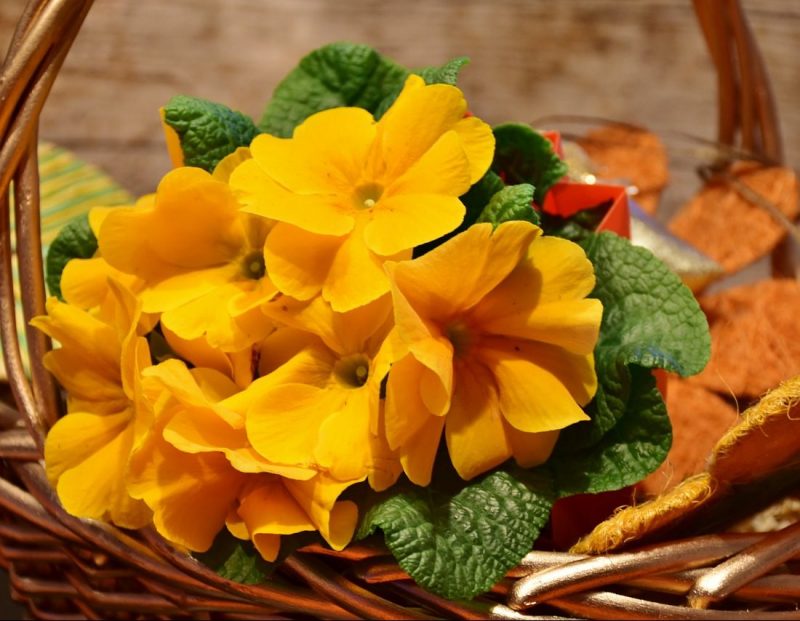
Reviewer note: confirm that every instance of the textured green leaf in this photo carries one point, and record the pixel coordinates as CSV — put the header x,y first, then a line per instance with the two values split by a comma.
x,y
75,241
339,74
459,544
650,317
650,320
514,202
236,560
446,74
208,131
523,155
631,450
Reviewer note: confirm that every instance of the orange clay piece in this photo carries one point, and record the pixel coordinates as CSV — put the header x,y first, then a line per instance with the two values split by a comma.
x,y
723,225
755,338
630,154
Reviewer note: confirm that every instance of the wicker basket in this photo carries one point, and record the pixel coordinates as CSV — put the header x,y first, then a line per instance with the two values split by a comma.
x,y
62,567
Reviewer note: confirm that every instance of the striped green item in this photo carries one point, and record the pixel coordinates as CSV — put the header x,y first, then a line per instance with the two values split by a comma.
x,y
69,188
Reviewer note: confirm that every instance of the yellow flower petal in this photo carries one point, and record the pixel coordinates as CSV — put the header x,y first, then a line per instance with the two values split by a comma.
x,y
359,330
173,141
284,426
533,395
88,385
335,521
298,262
263,196
269,510
194,224
86,457
199,353
442,169
190,495
572,324
458,274
208,316
84,336
345,446
184,287
476,438
97,215
385,467
406,412
314,162
425,341
356,276
84,282
408,220
196,388
564,270
77,435
531,449
224,168
478,142
416,120
289,356
418,454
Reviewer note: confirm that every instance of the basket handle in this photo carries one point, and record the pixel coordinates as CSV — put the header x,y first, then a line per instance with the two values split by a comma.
x,y
745,98
40,43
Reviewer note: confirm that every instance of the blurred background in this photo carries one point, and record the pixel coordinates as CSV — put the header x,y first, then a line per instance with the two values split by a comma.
x,y
642,61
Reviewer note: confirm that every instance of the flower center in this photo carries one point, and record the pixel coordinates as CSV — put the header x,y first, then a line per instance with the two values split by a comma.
x,y
253,265
352,371
459,335
367,194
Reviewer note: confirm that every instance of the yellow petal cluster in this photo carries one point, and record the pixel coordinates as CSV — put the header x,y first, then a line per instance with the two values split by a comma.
x,y
349,192
247,345
496,339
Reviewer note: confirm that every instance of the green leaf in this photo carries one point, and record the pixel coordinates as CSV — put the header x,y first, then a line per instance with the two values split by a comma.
x,y
650,320
339,74
631,450
514,202
208,131
75,241
460,544
236,560
523,155
446,74
650,317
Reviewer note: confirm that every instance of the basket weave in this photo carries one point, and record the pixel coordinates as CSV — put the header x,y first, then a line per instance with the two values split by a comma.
x,y
62,567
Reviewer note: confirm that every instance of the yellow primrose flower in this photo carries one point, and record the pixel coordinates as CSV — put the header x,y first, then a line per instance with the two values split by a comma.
x,y
99,364
84,282
350,192
197,471
318,403
201,259
495,347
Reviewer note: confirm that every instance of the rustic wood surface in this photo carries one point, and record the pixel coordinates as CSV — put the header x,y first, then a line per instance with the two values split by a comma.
x,y
641,61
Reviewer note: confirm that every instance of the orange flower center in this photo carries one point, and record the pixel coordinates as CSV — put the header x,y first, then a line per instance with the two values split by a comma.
x,y
367,194
253,265
352,371
460,336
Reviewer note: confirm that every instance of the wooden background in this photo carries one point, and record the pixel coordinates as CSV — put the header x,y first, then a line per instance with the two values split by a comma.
x,y
641,61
